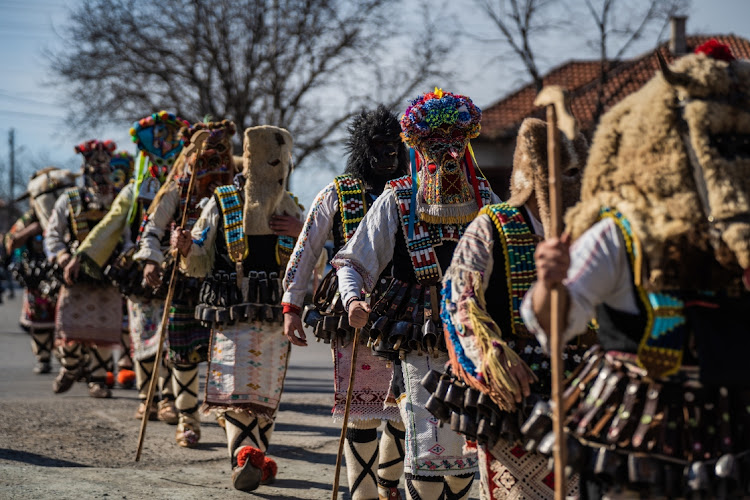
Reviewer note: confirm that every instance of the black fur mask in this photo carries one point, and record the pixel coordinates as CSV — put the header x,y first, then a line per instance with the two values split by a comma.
x,y
374,143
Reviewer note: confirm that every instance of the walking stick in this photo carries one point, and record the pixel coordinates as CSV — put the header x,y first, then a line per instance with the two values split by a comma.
x,y
551,97
349,391
196,145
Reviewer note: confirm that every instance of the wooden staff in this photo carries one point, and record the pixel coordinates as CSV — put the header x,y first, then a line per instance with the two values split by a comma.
x,y
552,97
349,391
196,146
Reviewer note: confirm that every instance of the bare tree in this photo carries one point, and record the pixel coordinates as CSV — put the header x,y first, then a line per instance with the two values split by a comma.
x,y
519,22
619,25
283,62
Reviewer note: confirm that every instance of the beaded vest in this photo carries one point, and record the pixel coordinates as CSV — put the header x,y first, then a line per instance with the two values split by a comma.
x,y
427,236
232,211
352,203
81,220
661,346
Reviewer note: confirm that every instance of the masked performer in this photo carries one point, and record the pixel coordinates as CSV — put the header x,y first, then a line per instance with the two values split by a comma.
x,y
234,246
188,339
416,223
89,310
376,155
39,277
662,243
157,138
482,290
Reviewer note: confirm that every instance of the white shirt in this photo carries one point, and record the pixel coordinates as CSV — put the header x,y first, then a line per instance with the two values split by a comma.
x,y
599,273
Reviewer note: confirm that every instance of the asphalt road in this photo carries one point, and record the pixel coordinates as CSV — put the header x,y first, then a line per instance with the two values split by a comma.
x,y
71,446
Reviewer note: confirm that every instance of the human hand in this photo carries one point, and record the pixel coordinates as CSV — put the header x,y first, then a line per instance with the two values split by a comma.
x,y
359,313
181,240
294,330
285,225
552,259
152,274
70,272
63,259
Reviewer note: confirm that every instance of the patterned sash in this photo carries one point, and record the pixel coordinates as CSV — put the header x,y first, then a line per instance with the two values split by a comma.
x,y
660,349
352,203
518,245
231,207
232,211
427,236
79,218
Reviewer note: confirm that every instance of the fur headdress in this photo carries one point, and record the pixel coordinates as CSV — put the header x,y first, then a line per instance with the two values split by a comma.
x,y
438,126
530,171
366,126
640,164
267,158
44,188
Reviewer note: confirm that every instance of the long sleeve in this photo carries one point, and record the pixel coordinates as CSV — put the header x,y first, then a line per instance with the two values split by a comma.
x,y
102,240
57,229
599,273
200,260
368,252
309,246
158,223
28,218
471,267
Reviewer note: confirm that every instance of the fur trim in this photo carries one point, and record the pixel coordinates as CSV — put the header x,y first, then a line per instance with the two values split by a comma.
x,y
267,160
639,165
530,168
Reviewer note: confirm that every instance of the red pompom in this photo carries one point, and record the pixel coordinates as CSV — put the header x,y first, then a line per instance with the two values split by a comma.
x,y
716,50
126,378
269,469
432,168
110,380
254,455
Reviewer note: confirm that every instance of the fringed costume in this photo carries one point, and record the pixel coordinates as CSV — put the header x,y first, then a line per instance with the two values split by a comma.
x,y
416,224
88,319
491,270
374,468
240,300
188,339
661,260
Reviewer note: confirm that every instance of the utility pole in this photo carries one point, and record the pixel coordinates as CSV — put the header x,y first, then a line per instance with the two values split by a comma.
x,y
12,151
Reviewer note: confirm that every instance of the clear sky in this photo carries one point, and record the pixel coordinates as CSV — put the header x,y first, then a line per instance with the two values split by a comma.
x,y
33,108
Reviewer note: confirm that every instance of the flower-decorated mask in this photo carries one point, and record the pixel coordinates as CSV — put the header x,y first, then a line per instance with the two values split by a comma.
x,y
439,125
158,139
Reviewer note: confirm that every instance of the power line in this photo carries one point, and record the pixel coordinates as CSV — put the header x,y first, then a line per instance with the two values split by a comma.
x,y
30,115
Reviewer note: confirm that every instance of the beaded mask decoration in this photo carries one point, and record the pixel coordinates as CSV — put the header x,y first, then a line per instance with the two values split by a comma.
x,y
158,141
122,169
97,169
215,165
438,126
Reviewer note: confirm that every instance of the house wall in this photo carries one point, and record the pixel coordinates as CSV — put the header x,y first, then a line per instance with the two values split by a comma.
x,y
495,159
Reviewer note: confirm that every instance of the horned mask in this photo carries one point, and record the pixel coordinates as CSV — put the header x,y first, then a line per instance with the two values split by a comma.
x,y
674,158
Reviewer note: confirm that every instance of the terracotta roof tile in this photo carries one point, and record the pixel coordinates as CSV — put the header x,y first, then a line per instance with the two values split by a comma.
x,y
581,78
